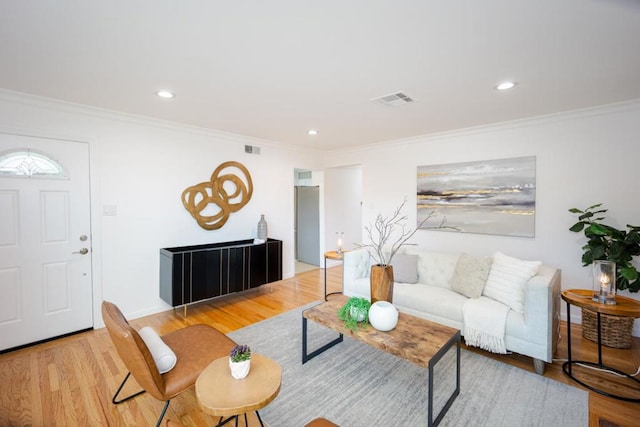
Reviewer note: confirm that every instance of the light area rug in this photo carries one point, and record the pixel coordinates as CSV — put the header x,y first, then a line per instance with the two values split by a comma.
x,y
354,385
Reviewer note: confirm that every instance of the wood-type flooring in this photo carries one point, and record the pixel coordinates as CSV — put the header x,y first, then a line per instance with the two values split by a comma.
x,y
70,381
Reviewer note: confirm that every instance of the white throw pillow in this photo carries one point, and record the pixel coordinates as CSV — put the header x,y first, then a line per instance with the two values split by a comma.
x,y
164,357
405,268
508,278
470,275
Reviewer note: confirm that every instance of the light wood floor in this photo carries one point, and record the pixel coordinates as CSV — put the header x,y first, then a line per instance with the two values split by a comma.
x,y
70,381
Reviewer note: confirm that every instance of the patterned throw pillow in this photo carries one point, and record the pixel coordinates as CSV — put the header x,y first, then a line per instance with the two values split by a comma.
x,y
508,278
470,275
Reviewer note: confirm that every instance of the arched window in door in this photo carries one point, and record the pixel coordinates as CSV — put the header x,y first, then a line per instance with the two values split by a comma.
x,y
25,163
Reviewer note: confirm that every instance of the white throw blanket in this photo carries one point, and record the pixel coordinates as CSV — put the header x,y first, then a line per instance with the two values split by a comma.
x,y
485,321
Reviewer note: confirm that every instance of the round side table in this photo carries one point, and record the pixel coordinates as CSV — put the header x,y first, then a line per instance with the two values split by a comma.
x,y
221,395
624,307
335,255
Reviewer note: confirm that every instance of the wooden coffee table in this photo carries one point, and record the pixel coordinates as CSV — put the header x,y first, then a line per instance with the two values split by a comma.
x,y
414,339
221,395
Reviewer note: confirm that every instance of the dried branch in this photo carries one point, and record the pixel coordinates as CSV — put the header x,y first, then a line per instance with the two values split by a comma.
x,y
385,228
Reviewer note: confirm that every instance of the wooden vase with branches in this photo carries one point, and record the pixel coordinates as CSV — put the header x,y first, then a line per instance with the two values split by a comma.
x,y
386,236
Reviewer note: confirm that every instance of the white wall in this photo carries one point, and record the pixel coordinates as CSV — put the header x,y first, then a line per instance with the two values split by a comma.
x,y
582,158
343,212
141,166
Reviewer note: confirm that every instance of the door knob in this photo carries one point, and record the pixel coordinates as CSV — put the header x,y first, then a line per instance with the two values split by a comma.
x,y
82,251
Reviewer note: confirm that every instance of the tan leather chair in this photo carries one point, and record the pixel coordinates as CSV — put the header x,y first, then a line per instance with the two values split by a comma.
x,y
195,347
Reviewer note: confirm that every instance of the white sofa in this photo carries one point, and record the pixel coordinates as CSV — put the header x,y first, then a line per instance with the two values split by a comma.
x,y
533,333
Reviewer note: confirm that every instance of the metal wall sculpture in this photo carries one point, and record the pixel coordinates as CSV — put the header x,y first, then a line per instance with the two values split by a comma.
x,y
211,203
488,197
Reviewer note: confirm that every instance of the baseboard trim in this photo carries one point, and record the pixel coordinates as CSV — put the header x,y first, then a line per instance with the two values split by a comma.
x,y
20,347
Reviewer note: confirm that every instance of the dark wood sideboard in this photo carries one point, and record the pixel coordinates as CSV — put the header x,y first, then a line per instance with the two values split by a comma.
x,y
194,273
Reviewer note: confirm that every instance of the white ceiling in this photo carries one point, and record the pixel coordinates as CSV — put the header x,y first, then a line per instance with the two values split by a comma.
x,y
273,69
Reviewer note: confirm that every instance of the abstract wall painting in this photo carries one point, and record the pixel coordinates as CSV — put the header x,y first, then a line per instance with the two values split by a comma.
x,y
487,197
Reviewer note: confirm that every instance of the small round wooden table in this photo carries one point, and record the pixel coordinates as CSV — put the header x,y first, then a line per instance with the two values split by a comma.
x,y
221,395
624,307
334,255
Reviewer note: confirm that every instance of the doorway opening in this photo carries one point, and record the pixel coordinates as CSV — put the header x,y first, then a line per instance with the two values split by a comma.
x,y
306,221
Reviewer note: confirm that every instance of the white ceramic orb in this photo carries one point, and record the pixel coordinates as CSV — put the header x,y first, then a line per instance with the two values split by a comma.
x,y
383,316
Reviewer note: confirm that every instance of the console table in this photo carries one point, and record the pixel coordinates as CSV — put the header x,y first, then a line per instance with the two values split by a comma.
x,y
194,273
626,307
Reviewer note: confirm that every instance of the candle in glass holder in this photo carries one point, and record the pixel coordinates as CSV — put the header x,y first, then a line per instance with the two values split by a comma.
x,y
604,281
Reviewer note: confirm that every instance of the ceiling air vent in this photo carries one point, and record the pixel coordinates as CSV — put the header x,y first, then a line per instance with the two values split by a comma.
x,y
394,99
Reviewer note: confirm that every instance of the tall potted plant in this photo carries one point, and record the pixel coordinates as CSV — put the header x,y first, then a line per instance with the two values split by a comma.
x,y
605,242
386,236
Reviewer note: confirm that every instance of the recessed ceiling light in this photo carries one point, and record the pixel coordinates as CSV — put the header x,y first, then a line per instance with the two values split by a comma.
x,y
506,85
165,94
312,132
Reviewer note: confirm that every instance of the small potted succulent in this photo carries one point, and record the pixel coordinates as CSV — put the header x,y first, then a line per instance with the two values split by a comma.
x,y
240,361
355,311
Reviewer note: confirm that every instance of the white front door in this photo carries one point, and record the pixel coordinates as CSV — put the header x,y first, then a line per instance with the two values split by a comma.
x,y
45,243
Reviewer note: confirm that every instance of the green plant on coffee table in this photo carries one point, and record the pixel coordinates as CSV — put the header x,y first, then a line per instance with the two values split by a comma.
x,y
356,306
608,243
240,353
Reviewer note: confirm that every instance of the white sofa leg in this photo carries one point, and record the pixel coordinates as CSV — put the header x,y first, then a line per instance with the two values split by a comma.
x,y
538,366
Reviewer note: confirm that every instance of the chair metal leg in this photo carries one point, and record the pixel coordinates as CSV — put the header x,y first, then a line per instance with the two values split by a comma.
x,y
116,402
164,410
115,396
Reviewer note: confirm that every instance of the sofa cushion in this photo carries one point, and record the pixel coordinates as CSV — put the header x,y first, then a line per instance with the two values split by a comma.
x,y
405,268
435,268
436,301
470,275
507,279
